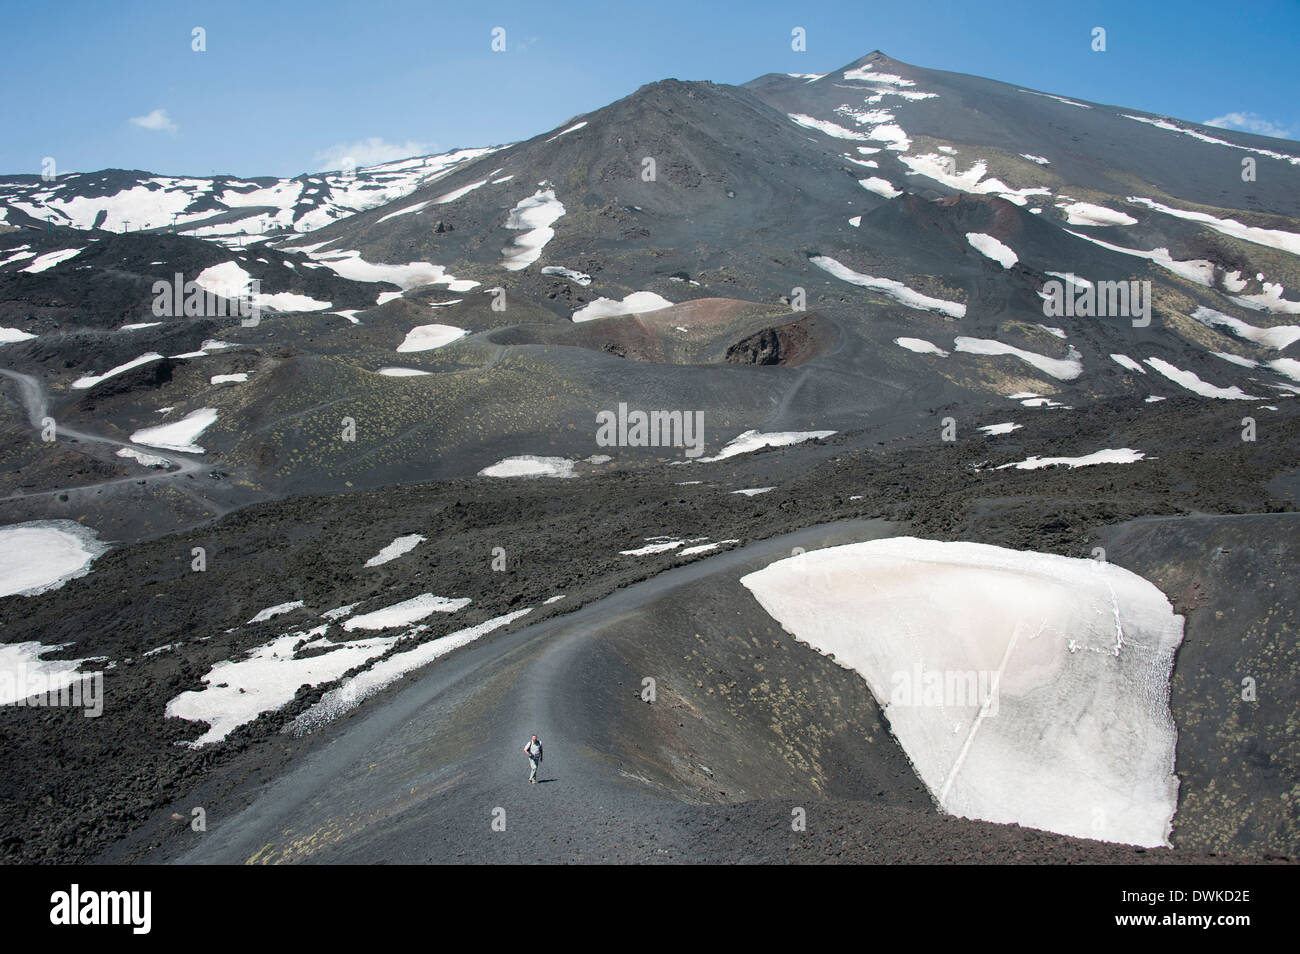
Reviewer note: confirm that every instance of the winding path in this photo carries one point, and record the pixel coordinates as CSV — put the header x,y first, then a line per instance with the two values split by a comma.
x,y
419,775
37,404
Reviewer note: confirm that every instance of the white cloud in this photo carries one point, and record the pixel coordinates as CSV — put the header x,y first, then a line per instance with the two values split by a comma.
x,y
1251,123
369,152
158,119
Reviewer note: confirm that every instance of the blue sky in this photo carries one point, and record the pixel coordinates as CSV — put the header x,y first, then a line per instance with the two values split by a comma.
x,y
288,87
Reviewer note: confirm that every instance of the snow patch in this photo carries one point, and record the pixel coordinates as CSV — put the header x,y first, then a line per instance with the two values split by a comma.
x,y
574,128
90,381
140,457
410,209
1063,369
399,547
1270,299
356,689
637,303
920,346
1278,337
1085,213
1271,238
1005,428
1075,736
178,435
411,275
943,169
1059,99
428,337
1193,383
879,186
829,128
268,678
12,335
753,440
990,247
536,214
42,555
1172,127
1196,270
50,259
278,610
455,194
1121,455
868,75
1124,361
406,612
23,673
529,465
895,290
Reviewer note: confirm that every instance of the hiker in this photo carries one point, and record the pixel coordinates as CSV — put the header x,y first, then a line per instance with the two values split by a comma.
x,y
534,752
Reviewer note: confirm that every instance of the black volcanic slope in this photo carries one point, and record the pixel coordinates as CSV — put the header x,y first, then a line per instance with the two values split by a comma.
x,y
865,253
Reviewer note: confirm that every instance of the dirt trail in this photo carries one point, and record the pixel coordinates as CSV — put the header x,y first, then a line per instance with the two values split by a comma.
x,y
37,404
416,777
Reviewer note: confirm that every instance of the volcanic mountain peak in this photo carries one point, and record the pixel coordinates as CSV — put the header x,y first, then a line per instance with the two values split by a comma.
x,y
874,58
881,291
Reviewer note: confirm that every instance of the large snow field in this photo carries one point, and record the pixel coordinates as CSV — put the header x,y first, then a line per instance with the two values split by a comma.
x,y
1071,732
44,554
